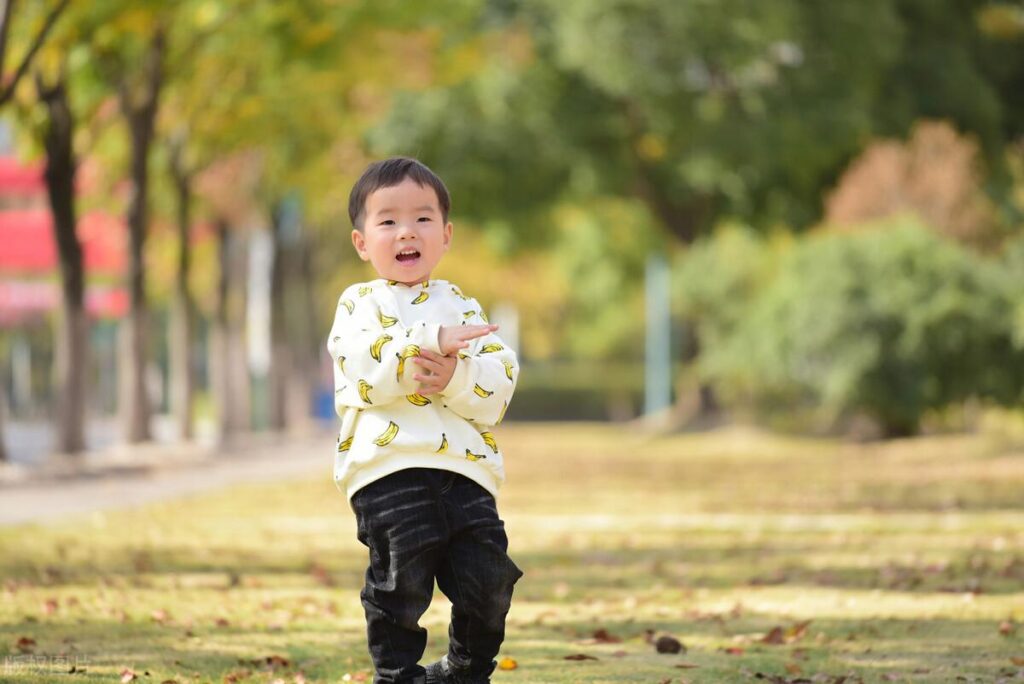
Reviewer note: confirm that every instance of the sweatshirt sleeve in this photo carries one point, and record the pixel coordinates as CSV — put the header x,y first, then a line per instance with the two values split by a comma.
x,y
370,349
485,377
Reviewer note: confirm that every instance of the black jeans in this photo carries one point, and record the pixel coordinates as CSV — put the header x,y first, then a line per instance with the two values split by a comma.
x,y
421,524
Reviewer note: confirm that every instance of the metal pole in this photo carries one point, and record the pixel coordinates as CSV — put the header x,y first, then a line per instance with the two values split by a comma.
x,y
658,353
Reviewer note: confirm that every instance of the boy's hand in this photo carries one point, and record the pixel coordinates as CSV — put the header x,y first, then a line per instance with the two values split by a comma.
x,y
452,338
438,370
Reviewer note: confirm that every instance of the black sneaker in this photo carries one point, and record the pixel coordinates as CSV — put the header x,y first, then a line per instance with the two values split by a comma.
x,y
441,673
436,673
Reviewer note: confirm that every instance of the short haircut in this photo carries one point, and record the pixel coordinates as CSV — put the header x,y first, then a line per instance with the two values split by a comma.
x,y
388,173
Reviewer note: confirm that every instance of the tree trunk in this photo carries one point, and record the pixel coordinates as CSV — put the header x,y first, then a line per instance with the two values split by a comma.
x,y
310,346
229,375
218,348
280,354
239,395
72,339
182,308
3,409
139,109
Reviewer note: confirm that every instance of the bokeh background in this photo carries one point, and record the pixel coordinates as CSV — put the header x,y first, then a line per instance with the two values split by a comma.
x,y
762,260
804,214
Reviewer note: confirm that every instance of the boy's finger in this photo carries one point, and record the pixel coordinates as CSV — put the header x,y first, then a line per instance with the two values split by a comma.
x,y
429,364
471,333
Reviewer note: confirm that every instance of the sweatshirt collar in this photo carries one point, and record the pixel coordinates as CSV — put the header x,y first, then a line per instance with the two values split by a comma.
x,y
424,285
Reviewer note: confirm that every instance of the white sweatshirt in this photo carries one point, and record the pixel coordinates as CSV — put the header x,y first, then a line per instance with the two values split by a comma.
x,y
386,426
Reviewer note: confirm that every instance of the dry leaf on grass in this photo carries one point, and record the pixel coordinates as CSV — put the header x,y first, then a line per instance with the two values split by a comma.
x,y
507,664
669,644
580,656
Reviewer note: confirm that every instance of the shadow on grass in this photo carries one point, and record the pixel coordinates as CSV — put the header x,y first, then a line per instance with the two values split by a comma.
x,y
932,650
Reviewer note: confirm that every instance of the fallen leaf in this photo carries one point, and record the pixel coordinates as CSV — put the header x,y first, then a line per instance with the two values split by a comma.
x,y
1007,628
50,606
580,656
734,650
668,644
603,637
1017,661
276,661
25,644
160,615
620,654
686,666
128,676
793,668
775,636
797,631
507,664
222,622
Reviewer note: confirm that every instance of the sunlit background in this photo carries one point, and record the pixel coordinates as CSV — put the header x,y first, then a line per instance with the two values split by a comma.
x,y
762,261
804,214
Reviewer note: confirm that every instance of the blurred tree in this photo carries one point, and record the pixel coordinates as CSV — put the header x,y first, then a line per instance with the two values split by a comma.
x,y
698,109
34,39
127,42
48,117
936,175
701,110
887,323
73,336
8,85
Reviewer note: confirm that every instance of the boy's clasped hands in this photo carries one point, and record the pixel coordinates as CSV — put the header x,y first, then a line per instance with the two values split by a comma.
x,y
438,369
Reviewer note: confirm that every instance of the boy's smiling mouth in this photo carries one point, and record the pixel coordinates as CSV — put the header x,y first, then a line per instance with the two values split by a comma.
x,y
408,256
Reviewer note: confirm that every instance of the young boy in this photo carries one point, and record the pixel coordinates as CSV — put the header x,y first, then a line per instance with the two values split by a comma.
x,y
419,377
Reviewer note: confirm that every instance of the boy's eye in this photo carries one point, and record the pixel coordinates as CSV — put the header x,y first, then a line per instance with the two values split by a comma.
x,y
424,218
387,222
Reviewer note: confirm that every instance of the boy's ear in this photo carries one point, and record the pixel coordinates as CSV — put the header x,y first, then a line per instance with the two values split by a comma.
x,y
359,242
448,235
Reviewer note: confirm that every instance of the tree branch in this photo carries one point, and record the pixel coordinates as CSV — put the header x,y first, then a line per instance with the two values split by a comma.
x,y
26,62
6,8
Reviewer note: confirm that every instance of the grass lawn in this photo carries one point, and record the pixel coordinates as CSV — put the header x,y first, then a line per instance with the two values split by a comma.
x,y
771,559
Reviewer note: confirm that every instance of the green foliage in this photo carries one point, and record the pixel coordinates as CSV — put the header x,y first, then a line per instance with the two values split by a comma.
x,y
889,322
602,251
716,278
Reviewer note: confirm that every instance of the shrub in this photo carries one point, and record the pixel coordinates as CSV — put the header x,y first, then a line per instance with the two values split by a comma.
x,y
889,322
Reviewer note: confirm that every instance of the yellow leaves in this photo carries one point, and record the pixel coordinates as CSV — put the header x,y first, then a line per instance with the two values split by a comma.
x,y
1001,20
317,35
206,14
137,21
650,147
507,663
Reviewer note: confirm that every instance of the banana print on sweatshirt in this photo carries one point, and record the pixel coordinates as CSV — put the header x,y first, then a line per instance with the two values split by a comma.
x,y
485,377
380,327
370,347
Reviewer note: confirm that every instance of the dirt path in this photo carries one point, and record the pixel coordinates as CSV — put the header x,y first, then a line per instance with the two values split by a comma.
x,y
129,478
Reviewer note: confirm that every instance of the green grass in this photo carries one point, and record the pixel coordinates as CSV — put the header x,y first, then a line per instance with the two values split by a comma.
x,y
907,557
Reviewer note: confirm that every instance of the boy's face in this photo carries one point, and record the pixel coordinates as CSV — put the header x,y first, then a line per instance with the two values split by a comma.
x,y
403,233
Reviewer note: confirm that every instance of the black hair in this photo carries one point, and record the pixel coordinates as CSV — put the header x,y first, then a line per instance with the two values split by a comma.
x,y
388,173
